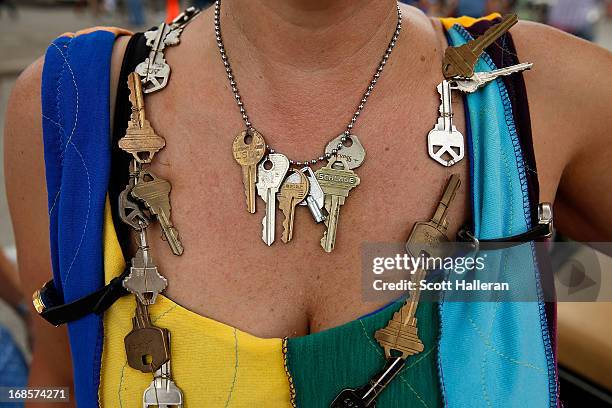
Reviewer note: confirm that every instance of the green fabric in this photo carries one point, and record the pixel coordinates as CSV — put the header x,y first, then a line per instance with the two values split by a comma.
x,y
322,364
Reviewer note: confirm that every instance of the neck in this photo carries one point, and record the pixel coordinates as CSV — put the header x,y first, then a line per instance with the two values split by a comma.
x,y
308,35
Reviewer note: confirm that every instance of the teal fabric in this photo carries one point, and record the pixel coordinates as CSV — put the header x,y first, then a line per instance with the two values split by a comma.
x,y
324,363
497,354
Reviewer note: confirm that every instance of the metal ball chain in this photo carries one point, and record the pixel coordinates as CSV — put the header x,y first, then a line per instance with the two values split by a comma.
x,y
349,126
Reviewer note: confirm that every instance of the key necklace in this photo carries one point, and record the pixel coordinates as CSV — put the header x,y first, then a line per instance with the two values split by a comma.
x,y
264,171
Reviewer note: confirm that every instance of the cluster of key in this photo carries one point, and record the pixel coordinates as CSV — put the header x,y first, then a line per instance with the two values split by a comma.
x,y
445,144
399,338
147,198
323,191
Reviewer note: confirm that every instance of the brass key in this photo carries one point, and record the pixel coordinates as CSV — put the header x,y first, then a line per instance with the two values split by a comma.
x,y
249,148
290,195
140,139
147,346
336,180
459,61
155,193
401,333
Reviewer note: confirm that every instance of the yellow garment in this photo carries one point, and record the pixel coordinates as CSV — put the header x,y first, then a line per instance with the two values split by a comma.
x,y
466,21
214,364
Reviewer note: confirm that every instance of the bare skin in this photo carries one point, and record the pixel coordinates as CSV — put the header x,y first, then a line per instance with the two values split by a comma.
x,y
301,67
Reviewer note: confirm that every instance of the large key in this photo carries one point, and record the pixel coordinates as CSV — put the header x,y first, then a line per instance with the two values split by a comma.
x,y
315,198
147,346
290,195
163,392
352,150
459,62
154,192
365,397
144,280
445,143
249,148
336,180
479,79
270,175
426,238
140,139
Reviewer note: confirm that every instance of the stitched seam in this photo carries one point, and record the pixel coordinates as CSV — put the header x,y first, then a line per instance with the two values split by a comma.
x,y
231,391
60,188
76,90
292,393
76,253
121,383
483,386
491,347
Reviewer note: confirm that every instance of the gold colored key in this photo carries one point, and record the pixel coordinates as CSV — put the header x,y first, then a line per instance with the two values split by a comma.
x,y
401,333
290,195
249,148
155,193
459,61
140,139
147,346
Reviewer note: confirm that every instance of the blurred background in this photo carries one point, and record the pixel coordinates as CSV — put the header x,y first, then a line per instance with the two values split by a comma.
x,y
28,26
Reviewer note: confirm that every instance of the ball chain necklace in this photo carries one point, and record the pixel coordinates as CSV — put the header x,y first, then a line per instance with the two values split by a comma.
x,y
268,172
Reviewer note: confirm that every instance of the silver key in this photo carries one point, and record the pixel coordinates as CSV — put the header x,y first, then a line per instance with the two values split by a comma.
x,y
315,198
269,181
144,280
154,70
480,79
163,392
352,150
444,142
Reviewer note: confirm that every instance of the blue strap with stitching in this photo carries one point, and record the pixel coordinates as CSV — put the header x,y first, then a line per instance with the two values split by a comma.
x,y
76,124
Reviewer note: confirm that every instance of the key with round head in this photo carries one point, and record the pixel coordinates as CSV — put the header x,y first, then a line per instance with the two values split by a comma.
x,y
352,150
154,192
459,62
336,180
249,148
140,139
155,70
480,79
130,211
445,143
147,346
290,195
270,175
315,200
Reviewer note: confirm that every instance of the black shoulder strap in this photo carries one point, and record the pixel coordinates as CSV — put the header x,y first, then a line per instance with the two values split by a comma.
x,y
135,53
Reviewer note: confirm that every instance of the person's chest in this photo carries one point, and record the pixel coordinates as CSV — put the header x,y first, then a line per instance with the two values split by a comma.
x,y
227,272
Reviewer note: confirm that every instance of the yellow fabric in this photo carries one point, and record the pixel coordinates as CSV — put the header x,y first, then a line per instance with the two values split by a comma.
x,y
115,30
214,364
466,21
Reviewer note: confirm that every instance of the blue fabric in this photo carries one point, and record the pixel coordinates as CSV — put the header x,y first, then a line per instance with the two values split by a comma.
x,y
495,354
76,129
13,367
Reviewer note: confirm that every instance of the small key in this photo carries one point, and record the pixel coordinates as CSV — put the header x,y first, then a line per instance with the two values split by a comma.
x,y
315,198
352,150
249,148
140,139
144,280
147,346
290,195
365,397
130,211
336,180
154,70
459,62
154,192
163,392
479,79
444,142
270,175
